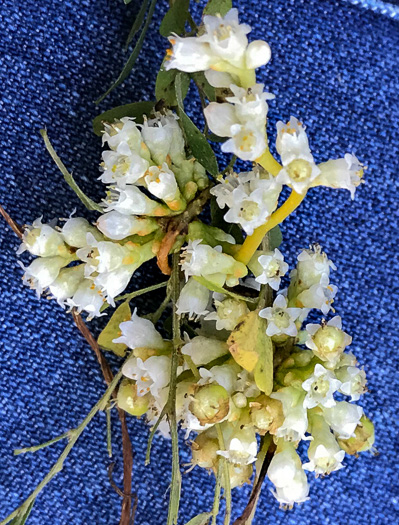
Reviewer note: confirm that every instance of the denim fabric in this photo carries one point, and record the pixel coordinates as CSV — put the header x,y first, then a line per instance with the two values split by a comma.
x,y
335,66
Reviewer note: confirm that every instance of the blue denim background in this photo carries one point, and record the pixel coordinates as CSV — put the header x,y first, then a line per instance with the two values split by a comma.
x,y
335,65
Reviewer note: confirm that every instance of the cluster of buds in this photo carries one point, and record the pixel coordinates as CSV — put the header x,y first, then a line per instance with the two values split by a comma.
x,y
218,386
148,176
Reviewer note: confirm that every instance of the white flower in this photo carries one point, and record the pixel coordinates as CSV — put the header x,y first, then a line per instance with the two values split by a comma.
x,y
203,350
161,182
247,210
251,199
122,166
139,333
151,375
248,141
273,267
245,383
281,320
228,313
87,298
122,132
299,168
325,455
320,387
118,226
328,341
42,272
343,173
164,138
286,473
67,283
193,299
353,381
223,375
343,418
210,263
241,448
188,54
295,414
42,240
224,190
132,201
250,104
75,232
313,265
319,296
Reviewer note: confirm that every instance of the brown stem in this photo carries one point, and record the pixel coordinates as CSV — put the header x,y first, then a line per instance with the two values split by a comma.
x,y
127,512
176,226
257,487
11,223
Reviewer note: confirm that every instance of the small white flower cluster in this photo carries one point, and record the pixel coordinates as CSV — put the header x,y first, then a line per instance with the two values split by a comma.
x,y
77,266
222,51
214,388
148,175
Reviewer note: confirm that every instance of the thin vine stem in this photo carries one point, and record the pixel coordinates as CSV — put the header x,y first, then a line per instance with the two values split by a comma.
x,y
74,436
19,451
227,486
175,488
216,499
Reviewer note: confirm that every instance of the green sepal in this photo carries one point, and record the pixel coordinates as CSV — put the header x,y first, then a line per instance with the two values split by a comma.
x,y
165,85
200,519
218,7
136,110
197,142
210,235
112,331
20,519
175,18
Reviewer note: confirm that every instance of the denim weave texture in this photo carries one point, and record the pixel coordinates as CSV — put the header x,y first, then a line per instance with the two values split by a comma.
x,y
335,65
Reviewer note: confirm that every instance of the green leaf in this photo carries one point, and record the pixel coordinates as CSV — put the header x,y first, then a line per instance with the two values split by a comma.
x,y
218,7
136,110
219,289
275,237
201,519
137,22
88,203
204,86
217,219
175,18
252,349
21,519
198,144
112,330
165,85
211,235
133,57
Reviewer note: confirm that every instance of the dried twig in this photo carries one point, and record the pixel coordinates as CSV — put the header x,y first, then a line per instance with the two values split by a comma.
x,y
11,223
127,511
246,515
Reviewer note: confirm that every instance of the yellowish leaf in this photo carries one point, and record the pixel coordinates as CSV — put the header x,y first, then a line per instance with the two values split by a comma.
x,y
112,330
252,349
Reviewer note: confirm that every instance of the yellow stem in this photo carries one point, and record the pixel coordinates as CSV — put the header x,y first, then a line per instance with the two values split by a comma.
x,y
267,161
253,241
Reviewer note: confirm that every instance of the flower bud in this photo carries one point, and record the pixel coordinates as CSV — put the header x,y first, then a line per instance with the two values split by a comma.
x,y
193,299
327,341
129,401
362,440
75,232
257,54
228,313
210,404
266,415
42,272
43,240
161,182
204,451
117,226
67,283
